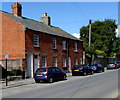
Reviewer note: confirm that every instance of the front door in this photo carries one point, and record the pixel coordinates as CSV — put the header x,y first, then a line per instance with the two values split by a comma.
x,y
36,63
30,65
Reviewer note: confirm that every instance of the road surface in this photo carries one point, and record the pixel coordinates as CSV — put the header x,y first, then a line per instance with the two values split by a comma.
x,y
99,85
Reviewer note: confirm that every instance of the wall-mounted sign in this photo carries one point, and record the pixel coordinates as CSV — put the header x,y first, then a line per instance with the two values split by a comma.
x,y
6,56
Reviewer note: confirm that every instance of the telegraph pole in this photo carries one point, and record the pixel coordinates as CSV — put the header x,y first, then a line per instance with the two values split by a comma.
x,y
90,21
90,40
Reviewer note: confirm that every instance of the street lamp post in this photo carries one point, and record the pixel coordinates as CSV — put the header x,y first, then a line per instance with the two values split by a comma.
x,y
6,57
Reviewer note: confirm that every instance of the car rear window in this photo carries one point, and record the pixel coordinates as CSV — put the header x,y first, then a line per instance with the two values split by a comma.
x,y
80,66
76,66
41,70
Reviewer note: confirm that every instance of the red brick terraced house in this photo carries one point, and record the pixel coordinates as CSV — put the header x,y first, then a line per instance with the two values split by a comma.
x,y
32,44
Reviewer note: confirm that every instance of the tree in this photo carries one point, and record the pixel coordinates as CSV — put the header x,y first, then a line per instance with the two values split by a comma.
x,y
103,39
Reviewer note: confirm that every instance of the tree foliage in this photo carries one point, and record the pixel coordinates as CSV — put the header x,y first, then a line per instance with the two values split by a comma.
x,y
103,38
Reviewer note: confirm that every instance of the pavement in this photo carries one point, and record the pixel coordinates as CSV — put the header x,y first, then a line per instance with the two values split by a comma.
x,y
20,82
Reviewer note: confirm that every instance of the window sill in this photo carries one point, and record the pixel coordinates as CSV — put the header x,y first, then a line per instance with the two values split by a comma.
x,y
54,48
64,49
76,51
36,46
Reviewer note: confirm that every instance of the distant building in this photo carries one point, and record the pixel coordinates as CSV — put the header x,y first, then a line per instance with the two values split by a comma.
x,y
32,44
118,34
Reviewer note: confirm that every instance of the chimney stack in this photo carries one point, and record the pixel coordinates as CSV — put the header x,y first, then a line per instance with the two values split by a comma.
x,y
17,9
45,19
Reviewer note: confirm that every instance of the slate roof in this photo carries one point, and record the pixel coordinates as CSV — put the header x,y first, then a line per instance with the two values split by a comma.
x,y
39,26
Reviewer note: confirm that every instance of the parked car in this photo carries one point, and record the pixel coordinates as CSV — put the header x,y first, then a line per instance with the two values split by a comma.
x,y
82,70
112,65
49,74
118,63
97,68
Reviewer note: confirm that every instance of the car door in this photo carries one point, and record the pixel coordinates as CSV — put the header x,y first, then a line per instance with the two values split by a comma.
x,y
58,73
52,73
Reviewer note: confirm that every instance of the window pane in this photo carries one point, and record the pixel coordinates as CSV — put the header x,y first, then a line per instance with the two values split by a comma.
x,y
55,61
76,48
64,45
36,40
54,43
64,62
75,61
43,61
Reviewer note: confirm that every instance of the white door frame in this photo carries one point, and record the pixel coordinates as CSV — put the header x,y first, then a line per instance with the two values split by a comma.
x,y
69,63
30,65
36,63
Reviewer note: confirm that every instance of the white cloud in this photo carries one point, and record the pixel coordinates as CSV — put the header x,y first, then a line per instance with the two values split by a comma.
x,y
77,35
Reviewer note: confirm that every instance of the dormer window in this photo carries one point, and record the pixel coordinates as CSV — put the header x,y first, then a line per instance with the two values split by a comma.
x,y
54,43
64,44
36,40
75,47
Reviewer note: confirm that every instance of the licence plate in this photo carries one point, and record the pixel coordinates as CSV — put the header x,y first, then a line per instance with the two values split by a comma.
x,y
111,65
76,70
39,75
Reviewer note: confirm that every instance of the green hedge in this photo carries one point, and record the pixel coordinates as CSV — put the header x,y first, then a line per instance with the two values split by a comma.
x,y
15,72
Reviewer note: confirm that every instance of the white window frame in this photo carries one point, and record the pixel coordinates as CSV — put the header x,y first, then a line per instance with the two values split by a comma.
x,y
64,62
64,44
55,61
36,40
54,42
44,64
75,47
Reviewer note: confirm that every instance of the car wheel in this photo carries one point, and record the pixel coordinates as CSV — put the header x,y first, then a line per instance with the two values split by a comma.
x,y
64,77
103,70
92,72
84,73
50,80
37,81
73,74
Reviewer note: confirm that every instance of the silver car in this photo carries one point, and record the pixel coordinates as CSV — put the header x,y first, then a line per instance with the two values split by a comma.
x,y
113,65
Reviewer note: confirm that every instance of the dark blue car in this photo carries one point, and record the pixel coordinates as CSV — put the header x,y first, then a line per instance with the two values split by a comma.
x,y
98,68
49,74
82,69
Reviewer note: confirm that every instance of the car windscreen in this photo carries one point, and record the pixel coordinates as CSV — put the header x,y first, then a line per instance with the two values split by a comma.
x,y
41,70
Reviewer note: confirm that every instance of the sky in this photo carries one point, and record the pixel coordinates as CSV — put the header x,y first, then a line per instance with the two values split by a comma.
x,y
70,16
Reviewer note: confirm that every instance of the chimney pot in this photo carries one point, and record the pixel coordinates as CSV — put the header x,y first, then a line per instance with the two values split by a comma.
x,y
45,19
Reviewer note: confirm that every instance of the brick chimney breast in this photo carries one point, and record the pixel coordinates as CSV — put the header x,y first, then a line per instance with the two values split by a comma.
x,y
17,9
45,19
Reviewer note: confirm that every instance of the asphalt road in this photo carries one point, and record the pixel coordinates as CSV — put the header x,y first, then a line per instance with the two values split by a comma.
x,y
100,85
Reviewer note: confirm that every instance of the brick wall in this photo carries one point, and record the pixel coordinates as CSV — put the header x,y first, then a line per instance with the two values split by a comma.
x,y
45,48
18,42
12,64
13,38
